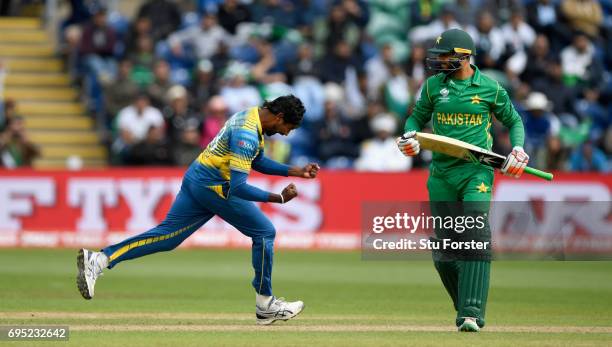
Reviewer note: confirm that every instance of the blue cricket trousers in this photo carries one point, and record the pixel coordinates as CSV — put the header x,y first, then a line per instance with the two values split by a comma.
x,y
195,205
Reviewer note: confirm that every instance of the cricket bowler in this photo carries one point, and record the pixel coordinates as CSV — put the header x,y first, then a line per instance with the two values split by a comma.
x,y
216,184
460,101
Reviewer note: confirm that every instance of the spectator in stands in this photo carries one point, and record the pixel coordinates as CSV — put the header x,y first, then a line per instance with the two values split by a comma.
x,y
178,114
141,28
553,157
98,45
275,12
543,17
204,86
152,150
203,39
380,153
335,140
221,58
607,142
465,11
142,61
215,114
80,12
3,117
424,12
338,27
9,109
551,84
165,17
236,93
415,68
539,122
580,67
335,64
378,71
429,32
277,148
245,45
501,10
489,41
397,92
134,121
231,13
583,15
362,130
16,149
357,11
96,50
355,90
540,59
519,37
308,12
161,84
590,108
304,74
188,147
266,69
69,51
120,92
588,158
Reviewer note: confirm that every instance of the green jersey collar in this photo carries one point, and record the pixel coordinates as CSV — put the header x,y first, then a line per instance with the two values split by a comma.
x,y
475,79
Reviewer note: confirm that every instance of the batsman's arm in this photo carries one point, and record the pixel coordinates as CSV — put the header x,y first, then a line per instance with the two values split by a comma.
x,y
506,113
421,113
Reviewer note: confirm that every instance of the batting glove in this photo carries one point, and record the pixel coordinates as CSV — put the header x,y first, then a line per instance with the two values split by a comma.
x,y
408,144
515,163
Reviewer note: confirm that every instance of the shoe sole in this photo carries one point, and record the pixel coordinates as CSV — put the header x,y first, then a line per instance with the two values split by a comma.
x,y
272,320
468,329
80,280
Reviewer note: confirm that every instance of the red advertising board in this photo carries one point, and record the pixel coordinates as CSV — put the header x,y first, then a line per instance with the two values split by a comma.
x,y
96,207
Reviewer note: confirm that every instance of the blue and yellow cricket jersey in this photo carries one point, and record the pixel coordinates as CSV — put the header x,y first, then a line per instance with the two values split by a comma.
x,y
235,147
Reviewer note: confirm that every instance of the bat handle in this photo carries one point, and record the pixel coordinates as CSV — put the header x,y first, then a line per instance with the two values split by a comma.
x,y
545,175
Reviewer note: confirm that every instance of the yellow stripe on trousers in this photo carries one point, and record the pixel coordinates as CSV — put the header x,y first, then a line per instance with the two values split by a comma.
x,y
121,251
263,257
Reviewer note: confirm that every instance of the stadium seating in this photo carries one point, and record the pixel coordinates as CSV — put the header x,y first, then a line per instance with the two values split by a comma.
x,y
55,118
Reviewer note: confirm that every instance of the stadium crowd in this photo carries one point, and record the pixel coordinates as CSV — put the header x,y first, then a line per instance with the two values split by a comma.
x,y
162,83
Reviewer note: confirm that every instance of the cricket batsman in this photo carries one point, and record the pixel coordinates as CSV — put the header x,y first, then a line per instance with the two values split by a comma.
x,y
460,101
216,184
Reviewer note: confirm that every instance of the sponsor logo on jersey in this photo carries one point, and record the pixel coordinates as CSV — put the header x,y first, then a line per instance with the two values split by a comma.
x,y
245,145
444,92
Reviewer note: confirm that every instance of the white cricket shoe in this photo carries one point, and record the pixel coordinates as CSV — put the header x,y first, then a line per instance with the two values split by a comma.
x,y
278,309
469,325
90,265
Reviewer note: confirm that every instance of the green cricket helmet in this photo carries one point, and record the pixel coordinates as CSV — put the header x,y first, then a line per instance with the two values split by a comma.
x,y
455,42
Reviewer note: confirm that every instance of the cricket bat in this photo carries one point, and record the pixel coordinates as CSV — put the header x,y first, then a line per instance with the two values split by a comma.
x,y
463,150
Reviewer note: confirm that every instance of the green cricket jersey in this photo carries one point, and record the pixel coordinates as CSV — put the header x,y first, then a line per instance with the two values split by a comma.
x,y
463,110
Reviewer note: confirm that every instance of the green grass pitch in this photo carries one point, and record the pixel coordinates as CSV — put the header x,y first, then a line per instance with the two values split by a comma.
x,y
204,297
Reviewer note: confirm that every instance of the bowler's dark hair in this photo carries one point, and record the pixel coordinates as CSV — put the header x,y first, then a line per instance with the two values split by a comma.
x,y
289,105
